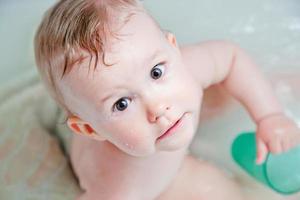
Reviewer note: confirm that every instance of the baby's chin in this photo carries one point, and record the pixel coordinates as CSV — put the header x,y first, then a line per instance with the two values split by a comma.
x,y
139,152
173,146
152,149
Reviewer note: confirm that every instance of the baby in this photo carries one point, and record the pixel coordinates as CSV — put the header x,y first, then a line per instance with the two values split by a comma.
x,y
136,96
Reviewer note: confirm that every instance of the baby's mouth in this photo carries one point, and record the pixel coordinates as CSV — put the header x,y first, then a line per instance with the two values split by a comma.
x,y
170,130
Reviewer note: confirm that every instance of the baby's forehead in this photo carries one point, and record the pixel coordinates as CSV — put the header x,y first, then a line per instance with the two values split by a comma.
x,y
140,31
138,42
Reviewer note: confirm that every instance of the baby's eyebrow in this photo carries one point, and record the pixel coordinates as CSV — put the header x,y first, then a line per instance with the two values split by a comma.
x,y
154,55
107,97
110,94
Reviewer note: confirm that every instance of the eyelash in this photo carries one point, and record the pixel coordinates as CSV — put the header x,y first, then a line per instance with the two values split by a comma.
x,y
163,70
130,99
114,109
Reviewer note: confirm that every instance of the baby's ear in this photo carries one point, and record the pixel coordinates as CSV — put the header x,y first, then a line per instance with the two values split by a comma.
x,y
81,127
171,39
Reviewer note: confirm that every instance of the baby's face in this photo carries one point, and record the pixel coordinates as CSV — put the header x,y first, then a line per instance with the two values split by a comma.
x,y
147,90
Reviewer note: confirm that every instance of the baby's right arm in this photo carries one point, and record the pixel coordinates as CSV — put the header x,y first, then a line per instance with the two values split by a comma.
x,y
223,63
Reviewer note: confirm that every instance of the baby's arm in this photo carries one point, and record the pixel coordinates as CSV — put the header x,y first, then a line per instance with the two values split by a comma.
x,y
220,62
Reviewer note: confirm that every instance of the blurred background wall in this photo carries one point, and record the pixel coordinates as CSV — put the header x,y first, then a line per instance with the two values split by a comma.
x,y
267,29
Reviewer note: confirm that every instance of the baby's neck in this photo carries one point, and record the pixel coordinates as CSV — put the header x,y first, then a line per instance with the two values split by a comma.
x,y
158,158
153,172
156,170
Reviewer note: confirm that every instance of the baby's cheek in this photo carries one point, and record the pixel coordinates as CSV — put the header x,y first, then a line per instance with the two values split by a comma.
x,y
129,140
136,143
193,94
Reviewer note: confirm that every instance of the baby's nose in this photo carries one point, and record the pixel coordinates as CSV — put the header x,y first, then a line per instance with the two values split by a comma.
x,y
156,110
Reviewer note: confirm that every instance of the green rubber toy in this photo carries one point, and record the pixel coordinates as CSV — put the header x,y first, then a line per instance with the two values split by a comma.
x,y
279,172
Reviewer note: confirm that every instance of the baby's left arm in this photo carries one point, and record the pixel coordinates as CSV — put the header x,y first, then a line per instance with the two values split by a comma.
x,y
226,64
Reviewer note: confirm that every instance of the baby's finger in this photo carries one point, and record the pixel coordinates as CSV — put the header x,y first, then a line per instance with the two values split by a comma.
x,y
275,147
295,141
286,145
261,152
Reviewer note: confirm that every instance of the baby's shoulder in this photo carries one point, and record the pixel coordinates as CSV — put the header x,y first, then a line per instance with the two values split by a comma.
x,y
203,58
205,48
198,60
195,55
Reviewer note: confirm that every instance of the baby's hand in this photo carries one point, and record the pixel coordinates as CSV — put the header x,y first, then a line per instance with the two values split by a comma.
x,y
276,134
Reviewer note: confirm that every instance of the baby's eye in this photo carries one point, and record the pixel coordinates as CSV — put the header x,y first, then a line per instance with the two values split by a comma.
x,y
121,104
157,71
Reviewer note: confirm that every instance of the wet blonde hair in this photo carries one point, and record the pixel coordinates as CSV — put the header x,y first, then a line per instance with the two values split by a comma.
x,y
73,26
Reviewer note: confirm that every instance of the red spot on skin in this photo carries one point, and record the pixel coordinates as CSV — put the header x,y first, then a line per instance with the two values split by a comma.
x,y
89,129
75,127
